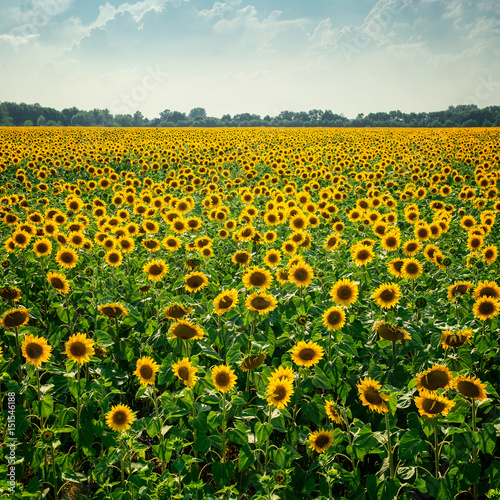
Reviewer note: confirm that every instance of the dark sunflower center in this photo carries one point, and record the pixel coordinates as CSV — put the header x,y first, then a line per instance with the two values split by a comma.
x,y
119,417
252,362
389,332
488,291
246,233
279,393
468,389
284,275
47,436
78,349
486,308
332,242
42,248
344,292
373,397
322,440
184,332
171,243
151,244
155,270
459,289
183,372
475,243
391,242
225,302
489,254
363,255
272,257
34,351
114,258
8,293
398,265
146,372
299,223
67,257
301,275
150,226
241,258
257,278
111,312
176,311
307,354
433,407
15,318
20,239
222,379
422,233
195,281
412,268
411,247
387,296
455,341
334,318
77,240
435,380
260,303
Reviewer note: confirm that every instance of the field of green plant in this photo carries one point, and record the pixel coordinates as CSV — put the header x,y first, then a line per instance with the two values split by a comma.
x,y
249,314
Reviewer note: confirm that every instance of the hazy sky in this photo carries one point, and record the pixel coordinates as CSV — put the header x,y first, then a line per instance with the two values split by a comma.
x,y
257,56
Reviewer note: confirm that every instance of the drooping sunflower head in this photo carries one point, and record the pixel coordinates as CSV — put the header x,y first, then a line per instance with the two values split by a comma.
x,y
79,348
10,293
307,353
432,404
120,418
195,281
334,318
186,330
370,395
395,267
261,302
391,332
257,277
387,295
470,387
320,440
253,361
36,350
456,339
59,282
177,311
225,301
113,310
434,378
333,412
458,288
185,371
15,318
279,392
146,369
223,378
345,292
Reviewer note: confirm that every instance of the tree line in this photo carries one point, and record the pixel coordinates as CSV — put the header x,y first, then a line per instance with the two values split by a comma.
x,y
464,115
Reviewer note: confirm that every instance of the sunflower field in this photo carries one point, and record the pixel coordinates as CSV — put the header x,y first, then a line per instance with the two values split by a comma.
x,y
249,313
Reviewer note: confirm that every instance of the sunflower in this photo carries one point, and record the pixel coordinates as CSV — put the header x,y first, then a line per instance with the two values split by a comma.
x,y
146,369
10,293
307,353
432,404
195,281
436,377
332,242
257,277
113,310
474,242
387,295
272,258
177,311
253,361
289,247
186,372
391,241
241,257
79,348
411,247
320,440
344,292
411,269
223,378
282,276
172,243
470,387
395,267
15,318
490,254
20,238
261,302
120,418
279,392
42,247
155,269
225,301
487,289
301,274
59,282
185,330
36,350
332,412
281,373
334,318
362,254
486,308
67,257
458,288
114,258
456,339
370,396
391,332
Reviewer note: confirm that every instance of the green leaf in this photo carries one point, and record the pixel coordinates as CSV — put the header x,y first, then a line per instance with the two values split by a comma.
x,y
163,451
472,472
411,445
73,476
263,431
320,379
153,426
246,457
485,439
222,472
47,406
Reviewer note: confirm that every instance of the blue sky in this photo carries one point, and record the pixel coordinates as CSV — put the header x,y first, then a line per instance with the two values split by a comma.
x,y
257,56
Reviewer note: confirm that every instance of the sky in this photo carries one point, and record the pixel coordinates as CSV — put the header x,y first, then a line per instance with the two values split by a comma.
x,y
255,56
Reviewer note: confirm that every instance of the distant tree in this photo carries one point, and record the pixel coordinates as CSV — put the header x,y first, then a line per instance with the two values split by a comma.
x,y
197,112
68,113
41,121
82,119
138,119
123,120
51,123
470,123
28,123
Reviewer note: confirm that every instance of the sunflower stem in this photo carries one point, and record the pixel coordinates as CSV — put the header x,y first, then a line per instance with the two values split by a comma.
x,y
54,471
223,427
267,442
78,411
436,448
162,438
389,446
18,353
39,395
474,449
349,435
